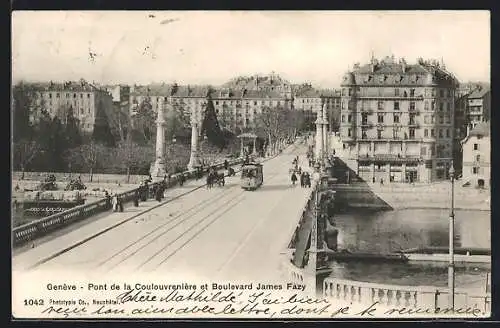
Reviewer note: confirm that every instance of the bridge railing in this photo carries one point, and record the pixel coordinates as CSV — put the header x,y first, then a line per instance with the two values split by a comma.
x,y
396,296
27,232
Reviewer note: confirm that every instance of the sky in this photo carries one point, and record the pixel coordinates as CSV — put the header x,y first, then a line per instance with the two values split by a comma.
x,y
202,47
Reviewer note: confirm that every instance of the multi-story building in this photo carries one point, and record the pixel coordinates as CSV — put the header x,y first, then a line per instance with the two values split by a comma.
x,y
83,98
397,120
311,100
237,103
476,156
460,132
479,106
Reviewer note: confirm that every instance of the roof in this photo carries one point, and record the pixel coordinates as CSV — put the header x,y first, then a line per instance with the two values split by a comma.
x,y
482,129
389,72
479,93
80,86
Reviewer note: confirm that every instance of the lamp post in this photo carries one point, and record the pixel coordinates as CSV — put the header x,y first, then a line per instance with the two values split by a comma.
x,y
451,264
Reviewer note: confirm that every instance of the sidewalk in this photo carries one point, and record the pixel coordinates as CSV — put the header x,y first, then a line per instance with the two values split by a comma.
x,y
78,233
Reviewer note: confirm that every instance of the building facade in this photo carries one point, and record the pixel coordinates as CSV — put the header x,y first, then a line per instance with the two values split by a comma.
x,y
476,156
479,106
311,100
397,120
237,103
83,98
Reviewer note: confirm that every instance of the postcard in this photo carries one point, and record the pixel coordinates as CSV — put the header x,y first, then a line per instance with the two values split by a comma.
x,y
251,164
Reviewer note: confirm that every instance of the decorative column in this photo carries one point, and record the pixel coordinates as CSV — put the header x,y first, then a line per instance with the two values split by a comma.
x,y
255,146
194,160
158,167
326,146
320,151
242,147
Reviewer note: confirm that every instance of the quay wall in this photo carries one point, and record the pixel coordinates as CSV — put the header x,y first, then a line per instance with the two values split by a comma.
x,y
406,196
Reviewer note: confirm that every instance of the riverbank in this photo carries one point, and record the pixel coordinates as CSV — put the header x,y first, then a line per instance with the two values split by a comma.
x,y
417,196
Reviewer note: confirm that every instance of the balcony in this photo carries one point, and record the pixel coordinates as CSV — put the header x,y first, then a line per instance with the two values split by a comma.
x,y
366,124
414,125
367,111
391,97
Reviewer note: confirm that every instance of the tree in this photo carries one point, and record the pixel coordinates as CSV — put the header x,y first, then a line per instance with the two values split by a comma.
x,y
25,104
267,124
71,130
143,121
102,130
129,155
210,126
92,154
24,152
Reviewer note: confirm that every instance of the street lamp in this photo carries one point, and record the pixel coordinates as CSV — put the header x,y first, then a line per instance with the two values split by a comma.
x,y
451,264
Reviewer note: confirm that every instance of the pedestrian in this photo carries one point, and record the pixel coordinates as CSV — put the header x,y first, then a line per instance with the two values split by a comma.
x,y
294,178
307,180
115,202
302,180
381,181
119,203
136,197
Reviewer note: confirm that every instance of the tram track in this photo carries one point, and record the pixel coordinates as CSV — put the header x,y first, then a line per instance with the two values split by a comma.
x,y
190,228
190,211
185,232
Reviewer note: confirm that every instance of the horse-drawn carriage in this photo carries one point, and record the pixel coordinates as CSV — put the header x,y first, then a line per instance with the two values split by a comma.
x,y
295,167
252,176
215,178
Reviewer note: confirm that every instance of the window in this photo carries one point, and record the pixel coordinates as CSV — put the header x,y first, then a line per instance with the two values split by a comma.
x,y
475,170
380,105
81,95
412,119
363,134
349,132
255,103
364,119
396,105
412,92
349,118
350,92
476,146
395,133
433,92
412,105
396,118
423,151
381,118
426,119
412,133
432,133
478,157
343,119
426,105
447,133
67,95
441,119
440,106
74,95
379,134
441,92
449,93
88,95
396,92
57,95
426,133
440,133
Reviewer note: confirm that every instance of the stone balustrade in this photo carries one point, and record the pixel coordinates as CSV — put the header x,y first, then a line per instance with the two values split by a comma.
x,y
395,296
38,228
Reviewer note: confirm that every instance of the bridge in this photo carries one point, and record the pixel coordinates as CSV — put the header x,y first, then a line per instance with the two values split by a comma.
x,y
225,232
220,234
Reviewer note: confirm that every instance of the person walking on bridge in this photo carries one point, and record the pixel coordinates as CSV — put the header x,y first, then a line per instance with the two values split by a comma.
x,y
294,178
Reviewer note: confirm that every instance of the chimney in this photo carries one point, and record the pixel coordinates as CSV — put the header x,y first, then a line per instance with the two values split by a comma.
x,y
403,65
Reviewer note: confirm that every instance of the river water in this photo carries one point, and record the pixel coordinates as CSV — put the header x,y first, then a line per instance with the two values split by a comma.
x,y
389,231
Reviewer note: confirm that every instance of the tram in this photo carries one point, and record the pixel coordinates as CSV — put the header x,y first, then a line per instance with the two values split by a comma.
x,y
251,176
